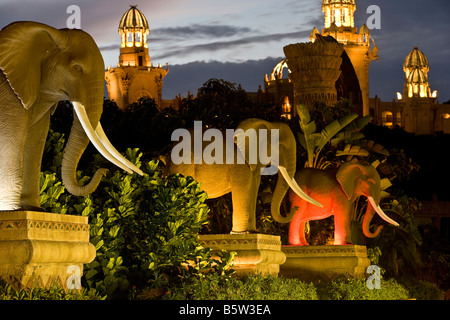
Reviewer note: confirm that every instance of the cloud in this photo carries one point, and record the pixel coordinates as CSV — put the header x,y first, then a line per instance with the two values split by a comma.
x,y
221,45
199,30
109,47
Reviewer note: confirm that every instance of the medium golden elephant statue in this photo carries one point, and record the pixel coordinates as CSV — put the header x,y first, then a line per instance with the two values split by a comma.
x,y
337,190
238,170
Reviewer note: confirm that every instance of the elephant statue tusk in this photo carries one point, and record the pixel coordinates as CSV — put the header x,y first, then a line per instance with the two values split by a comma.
x,y
107,144
381,213
294,186
90,132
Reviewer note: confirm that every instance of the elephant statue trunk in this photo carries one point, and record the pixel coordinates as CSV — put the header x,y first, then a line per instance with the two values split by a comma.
x,y
372,207
368,215
83,132
287,168
76,145
282,186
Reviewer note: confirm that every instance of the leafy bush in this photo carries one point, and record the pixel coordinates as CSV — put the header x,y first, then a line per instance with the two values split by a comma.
x,y
424,290
356,289
144,228
53,293
249,287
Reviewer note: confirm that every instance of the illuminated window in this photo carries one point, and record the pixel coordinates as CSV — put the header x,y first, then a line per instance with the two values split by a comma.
x,y
387,118
445,116
286,108
423,91
130,39
399,118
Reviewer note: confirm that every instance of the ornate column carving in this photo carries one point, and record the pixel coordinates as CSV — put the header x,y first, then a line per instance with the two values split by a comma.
x,y
315,68
41,249
255,253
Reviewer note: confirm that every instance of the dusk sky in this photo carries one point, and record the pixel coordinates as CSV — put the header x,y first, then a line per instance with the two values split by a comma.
x,y
240,41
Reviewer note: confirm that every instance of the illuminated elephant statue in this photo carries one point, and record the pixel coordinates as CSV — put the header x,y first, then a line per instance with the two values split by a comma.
x,y
40,66
232,173
337,190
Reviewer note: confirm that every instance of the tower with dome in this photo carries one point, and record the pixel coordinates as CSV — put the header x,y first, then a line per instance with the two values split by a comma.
x,y
339,23
135,76
353,80
415,109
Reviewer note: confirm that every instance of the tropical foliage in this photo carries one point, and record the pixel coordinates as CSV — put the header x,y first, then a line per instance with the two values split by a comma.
x,y
144,227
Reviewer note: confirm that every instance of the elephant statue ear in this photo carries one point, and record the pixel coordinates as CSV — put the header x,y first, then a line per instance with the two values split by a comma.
x,y
347,175
248,138
23,46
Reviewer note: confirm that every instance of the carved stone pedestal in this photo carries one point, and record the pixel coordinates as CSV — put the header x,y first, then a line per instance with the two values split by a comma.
x,y
39,249
315,68
314,263
255,253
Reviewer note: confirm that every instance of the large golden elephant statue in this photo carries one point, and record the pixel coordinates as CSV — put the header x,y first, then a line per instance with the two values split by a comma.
x,y
40,66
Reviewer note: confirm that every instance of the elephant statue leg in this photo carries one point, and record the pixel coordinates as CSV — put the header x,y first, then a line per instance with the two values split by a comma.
x,y
342,224
12,142
297,229
34,149
244,192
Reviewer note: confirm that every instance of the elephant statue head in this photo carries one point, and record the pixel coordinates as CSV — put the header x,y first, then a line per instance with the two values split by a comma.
x,y
43,66
363,180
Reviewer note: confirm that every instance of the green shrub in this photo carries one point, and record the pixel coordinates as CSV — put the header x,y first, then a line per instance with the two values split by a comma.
x,y
424,290
250,287
53,293
144,228
356,289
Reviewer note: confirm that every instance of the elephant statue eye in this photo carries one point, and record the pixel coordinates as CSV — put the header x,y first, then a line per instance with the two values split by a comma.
x,y
78,68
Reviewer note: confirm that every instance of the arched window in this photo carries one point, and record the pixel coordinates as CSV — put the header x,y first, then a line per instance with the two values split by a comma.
x,y
387,118
130,39
286,108
399,117
138,39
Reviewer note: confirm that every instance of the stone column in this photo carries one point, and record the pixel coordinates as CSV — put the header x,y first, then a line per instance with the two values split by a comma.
x,y
315,68
41,249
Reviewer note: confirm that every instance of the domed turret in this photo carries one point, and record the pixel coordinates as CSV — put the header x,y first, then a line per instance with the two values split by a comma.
x,y
417,76
415,59
133,28
136,76
277,72
417,83
416,69
341,12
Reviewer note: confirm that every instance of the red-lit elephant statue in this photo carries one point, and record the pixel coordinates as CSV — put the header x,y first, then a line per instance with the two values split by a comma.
x,y
336,190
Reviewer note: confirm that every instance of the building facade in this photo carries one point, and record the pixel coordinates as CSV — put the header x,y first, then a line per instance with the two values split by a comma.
x,y
135,76
352,78
415,109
